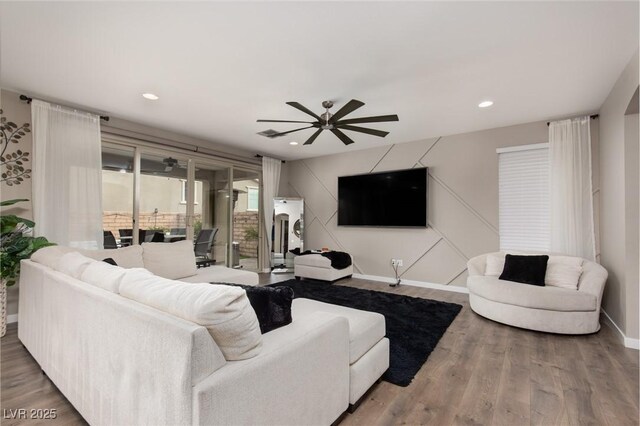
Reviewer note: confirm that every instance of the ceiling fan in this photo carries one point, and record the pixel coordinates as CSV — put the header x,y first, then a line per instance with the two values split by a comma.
x,y
332,122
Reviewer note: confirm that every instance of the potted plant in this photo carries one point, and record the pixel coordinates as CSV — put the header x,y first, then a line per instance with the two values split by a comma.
x,y
15,245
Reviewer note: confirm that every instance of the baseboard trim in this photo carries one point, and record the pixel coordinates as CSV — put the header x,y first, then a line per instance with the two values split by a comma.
x,y
423,284
12,318
628,342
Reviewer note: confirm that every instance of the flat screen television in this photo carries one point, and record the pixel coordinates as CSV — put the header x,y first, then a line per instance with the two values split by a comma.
x,y
394,199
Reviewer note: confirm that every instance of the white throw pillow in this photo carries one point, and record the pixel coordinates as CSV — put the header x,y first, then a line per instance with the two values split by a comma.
x,y
125,257
106,276
170,260
563,271
73,264
224,310
495,264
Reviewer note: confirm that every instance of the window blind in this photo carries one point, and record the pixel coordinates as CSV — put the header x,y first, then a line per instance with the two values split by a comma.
x,y
524,219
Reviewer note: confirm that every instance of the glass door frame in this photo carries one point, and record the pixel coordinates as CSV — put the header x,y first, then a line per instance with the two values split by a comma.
x,y
141,147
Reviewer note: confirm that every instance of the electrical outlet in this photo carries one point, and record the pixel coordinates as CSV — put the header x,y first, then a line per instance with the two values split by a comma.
x,y
396,262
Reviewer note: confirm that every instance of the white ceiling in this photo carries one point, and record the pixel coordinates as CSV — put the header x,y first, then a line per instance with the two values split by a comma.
x,y
218,67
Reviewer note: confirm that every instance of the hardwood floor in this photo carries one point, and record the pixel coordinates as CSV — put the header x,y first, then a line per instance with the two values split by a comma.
x,y
480,373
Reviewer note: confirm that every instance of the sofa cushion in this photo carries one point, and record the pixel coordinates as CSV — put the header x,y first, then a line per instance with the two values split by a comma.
x,y
563,271
528,296
224,310
525,269
365,328
74,264
50,256
170,260
495,264
222,274
106,276
126,257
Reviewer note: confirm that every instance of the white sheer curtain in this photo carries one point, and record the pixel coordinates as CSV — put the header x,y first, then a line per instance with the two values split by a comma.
x,y
572,230
270,182
67,176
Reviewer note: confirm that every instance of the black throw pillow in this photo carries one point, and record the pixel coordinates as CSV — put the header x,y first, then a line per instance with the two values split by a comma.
x,y
272,306
110,261
525,269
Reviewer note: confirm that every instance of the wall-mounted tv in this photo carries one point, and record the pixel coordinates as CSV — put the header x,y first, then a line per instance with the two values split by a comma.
x,y
394,199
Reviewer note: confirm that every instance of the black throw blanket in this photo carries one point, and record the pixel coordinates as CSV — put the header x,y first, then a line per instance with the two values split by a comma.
x,y
339,259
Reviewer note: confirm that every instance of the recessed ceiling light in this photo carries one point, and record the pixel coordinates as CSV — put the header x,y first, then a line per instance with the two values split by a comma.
x,y
293,143
485,104
150,96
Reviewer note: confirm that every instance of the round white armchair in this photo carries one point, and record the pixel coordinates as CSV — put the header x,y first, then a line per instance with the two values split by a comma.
x,y
550,309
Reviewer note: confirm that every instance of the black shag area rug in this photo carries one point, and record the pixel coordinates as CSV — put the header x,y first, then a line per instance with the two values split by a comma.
x,y
414,325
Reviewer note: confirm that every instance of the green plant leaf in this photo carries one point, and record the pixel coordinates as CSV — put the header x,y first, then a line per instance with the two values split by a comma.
x,y
12,202
9,222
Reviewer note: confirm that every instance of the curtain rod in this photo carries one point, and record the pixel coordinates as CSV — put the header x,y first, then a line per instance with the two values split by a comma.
x,y
260,156
28,100
593,117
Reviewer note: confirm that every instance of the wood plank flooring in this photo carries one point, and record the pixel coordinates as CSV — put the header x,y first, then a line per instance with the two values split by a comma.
x,y
481,373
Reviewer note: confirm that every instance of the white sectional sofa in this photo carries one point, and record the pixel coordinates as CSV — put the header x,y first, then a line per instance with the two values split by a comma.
x,y
128,347
549,308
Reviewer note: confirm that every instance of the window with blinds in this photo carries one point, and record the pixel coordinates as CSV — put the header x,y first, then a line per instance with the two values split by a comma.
x,y
524,218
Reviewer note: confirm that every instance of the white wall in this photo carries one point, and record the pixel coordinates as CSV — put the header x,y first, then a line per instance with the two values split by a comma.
x,y
617,220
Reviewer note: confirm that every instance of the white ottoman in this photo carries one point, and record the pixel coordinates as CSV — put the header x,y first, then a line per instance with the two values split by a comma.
x,y
318,267
368,346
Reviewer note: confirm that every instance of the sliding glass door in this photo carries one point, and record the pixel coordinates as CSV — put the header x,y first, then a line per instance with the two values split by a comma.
x,y
151,195
162,205
117,195
211,211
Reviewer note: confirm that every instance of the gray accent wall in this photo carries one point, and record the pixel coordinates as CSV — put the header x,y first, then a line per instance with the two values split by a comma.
x,y
462,202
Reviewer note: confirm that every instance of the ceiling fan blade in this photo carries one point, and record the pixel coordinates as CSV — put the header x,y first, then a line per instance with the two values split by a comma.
x,y
291,131
376,119
313,137
373,132
283,121
344,138
304,109
348,108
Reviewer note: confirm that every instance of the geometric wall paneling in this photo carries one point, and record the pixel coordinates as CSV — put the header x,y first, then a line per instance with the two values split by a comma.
x,y
377,246
349,163
440,264
460,280
317,236
404,155
468,164
462,205
315,195
458,224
